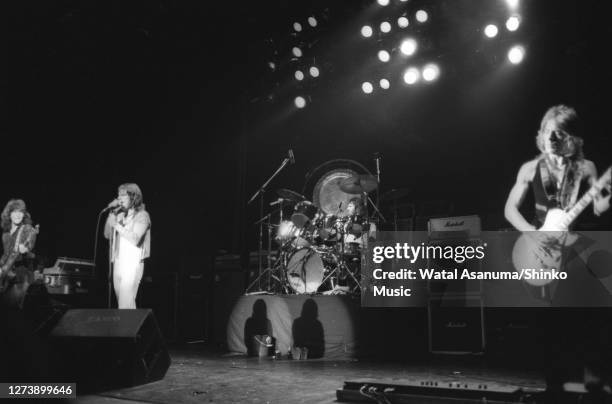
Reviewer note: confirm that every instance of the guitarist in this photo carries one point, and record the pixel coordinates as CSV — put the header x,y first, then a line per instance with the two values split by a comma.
x,y
558,177
557,174
18,239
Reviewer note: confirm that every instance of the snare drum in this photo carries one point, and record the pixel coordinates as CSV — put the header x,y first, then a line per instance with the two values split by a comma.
x,y
305,271
352,249
356,226
327,229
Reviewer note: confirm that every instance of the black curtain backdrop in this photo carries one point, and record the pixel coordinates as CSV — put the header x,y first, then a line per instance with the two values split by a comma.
x,y
178,97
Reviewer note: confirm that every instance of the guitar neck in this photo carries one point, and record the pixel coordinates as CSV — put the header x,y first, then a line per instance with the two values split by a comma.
x,y
586,199
579,207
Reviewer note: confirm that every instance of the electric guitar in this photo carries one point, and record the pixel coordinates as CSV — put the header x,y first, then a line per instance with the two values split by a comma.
x,y
7,275
543,251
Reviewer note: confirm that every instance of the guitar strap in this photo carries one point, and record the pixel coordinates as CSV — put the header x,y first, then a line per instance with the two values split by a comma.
x,y
17,238
565,195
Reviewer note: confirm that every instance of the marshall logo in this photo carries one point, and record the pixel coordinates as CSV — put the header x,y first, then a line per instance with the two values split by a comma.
x,y
452,324
103,319
444,227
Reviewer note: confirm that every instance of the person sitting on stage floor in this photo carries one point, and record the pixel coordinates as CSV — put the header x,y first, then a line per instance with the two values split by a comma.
x,y
557,174
18,240
129,231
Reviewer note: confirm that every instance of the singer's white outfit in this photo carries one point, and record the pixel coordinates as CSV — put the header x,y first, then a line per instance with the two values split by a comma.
x,y
128,257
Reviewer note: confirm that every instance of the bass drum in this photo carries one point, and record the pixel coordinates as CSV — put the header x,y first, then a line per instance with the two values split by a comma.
x,y
326,192
305,271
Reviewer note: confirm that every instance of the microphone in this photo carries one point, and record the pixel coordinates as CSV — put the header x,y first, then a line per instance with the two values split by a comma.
x,y
276,202
113,204
291,156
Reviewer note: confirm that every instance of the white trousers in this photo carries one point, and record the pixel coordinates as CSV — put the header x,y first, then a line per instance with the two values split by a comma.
x,y
127,273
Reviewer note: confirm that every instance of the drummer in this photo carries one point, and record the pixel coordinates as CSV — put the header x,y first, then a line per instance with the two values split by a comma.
x,y
357,229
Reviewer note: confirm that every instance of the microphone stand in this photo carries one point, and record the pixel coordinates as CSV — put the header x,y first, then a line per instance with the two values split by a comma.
x,y
111,244
260,192
375,208
95,255
377,159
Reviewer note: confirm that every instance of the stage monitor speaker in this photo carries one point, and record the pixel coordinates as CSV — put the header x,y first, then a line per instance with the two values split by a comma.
x,y
110,348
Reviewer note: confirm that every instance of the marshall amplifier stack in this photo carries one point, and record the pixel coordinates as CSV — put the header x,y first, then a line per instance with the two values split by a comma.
x,y
455,311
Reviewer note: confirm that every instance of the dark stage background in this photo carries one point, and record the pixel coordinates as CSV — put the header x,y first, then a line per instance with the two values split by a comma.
x,y
178,97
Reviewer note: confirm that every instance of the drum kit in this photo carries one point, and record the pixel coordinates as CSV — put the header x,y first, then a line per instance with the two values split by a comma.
x,y
320,242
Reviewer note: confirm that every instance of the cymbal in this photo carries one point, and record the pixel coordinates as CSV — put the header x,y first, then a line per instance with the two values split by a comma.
x,y
394,194
359,184
327,194
291,195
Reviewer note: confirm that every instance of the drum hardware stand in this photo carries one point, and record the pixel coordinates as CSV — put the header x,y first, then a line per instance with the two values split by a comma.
x,y
378,212
377,159
271,267
342,265
260,192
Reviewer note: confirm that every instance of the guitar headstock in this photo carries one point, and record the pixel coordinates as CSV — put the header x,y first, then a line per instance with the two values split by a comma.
x,y
606,178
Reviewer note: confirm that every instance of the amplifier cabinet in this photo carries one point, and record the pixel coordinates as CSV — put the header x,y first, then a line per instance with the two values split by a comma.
x,y
454,227
456,325
454,287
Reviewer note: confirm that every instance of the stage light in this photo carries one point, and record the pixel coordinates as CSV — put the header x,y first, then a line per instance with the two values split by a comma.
x,y
299,75
403,1
431,72
408,47
312,21
516,54
367,87
384,84
402,22
513,23
297,27
383,2
366,31
422,16
385,27
411,75
491,30
384,56
513,4
272,66
314,71
297,52
300,102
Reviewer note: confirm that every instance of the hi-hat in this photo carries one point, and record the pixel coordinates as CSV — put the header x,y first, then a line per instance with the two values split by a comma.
x,y
359,184
291,195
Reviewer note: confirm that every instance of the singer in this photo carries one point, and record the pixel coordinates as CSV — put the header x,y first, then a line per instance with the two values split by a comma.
x,y
128,228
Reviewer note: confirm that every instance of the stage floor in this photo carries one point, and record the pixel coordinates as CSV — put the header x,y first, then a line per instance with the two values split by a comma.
x,y
203,376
